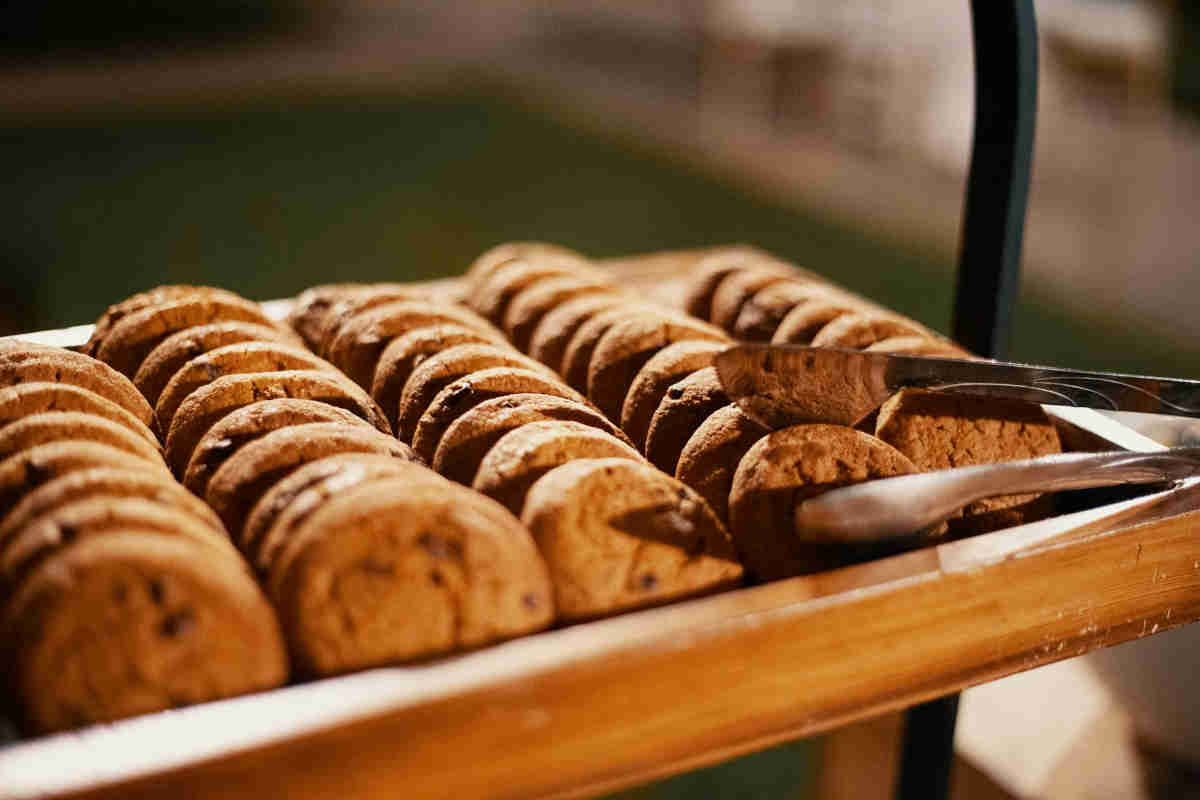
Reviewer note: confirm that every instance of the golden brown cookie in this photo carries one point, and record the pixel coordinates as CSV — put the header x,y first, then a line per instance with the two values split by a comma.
x,y
239,483
490,297
362,300
468,439
712,453
406,568
650,385
291,500
251,422
577,357
527,453
88,482
439,371
98,515
25,471
316,307
26,399
918,346
143,300
805,321
404,353
685,406
360,342
762,312
201,410
856,331
530,304
711,270
179,348
56,365
940,430
618,534
474,388
134,622
787,467
136,335
232,359
739,286
57,426
628,345
495,258
549,340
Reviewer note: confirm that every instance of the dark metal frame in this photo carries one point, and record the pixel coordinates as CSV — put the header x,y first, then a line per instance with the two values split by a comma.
x,y
1004,35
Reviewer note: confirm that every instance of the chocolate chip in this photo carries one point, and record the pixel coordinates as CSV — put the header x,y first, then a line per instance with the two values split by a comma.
x,y
459,393
67,533
373,567
158,592
436,579
648,581
530,601
674,393
177,624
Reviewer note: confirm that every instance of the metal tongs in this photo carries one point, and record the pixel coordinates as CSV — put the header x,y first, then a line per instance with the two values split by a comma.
x,y
892,508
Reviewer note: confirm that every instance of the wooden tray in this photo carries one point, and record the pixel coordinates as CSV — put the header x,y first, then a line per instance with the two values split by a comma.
x,y
602,705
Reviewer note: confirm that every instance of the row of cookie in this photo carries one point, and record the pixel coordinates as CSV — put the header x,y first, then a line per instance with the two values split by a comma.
x,y
756,297
491,418
120,592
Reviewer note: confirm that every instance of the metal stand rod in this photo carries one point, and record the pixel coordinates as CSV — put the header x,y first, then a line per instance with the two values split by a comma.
x,y
1004,35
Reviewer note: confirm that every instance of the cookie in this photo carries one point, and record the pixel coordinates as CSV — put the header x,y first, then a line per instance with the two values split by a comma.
x,y
490,297
618,534
239,483
273,519
940,430
523,455
805,321
532,303
26,399
27,470
628,345
95,516
711,456
739,286
918,346
56,426
136,335
495,258
684,407
143,300
405,568
315,307
360,301
650,385
203,407
787,467
135,622
404,353
474,388
856,331
577,357
251,422
112,481
762,312
468,439
361,340
549,340
56,365
232,359
711,270
179,348
439,371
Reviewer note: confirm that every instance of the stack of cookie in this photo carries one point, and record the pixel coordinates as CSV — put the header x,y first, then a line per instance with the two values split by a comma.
x,y
494,419
122,593
274,437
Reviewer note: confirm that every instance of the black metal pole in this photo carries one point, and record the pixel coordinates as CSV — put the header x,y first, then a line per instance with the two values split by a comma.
x,y
1004,35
